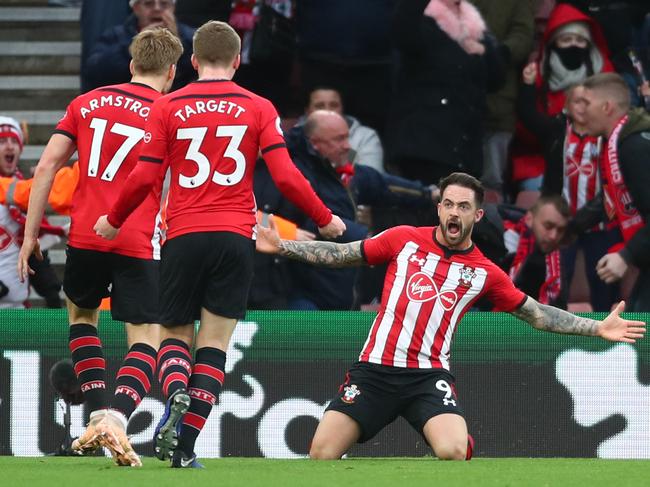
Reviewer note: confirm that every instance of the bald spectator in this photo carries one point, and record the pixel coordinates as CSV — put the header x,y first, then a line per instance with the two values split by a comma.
x,y
364,141
108,62
321,149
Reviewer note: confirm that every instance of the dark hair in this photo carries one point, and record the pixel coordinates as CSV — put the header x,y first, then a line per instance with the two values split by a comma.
x,y
466,181
312,89
556,200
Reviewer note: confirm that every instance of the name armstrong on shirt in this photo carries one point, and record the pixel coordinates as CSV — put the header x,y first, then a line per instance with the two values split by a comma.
x,y
118,101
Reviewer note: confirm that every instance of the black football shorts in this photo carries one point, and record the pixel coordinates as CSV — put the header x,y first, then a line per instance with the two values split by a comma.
x,y
132,283
211,270
376,395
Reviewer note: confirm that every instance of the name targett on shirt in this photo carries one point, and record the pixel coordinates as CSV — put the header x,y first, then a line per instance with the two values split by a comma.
x,y
210,106
118,101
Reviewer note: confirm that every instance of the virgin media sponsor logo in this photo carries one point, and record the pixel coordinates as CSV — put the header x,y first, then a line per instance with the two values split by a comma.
x,y
422,288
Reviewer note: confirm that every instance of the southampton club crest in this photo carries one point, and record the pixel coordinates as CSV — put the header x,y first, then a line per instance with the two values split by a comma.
x,y
351,392
466,275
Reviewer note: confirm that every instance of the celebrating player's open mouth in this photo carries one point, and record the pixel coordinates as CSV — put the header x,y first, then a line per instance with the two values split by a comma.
x,y
453,230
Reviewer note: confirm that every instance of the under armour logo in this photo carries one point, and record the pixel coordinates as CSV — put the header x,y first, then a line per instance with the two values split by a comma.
x,y
415,260
447,402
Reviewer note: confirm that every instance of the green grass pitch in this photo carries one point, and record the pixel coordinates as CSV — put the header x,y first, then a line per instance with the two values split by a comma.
x,y
357,472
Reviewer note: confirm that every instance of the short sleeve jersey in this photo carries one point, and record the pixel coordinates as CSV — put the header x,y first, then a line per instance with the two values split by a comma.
x,y
107,125
427,290
211,132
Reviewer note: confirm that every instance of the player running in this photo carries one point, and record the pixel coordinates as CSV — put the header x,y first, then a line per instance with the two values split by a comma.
x,y
105,126
210,134
434,276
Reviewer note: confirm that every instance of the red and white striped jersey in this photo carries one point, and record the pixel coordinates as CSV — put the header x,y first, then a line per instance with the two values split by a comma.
x,y
427,290
581,176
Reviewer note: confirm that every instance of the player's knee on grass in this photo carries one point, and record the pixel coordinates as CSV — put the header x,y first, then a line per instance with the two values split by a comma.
x,y
323,451
451,451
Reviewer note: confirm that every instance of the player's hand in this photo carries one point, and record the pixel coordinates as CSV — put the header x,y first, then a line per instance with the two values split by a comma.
x,y
616,329
105,229
611,267
268,238
530,73
333,229
30,246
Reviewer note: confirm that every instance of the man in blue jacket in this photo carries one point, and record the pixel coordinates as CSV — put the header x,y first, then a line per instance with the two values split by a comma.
x,y
321,150
108,63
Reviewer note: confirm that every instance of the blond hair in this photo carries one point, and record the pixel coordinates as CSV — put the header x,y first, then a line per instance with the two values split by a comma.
x,y
154,50
216,43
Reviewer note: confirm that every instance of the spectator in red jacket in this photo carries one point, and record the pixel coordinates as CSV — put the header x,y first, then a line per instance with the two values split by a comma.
x,y
573,49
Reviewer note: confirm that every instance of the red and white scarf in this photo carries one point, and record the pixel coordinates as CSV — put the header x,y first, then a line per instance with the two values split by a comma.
x,y
550,289
618,201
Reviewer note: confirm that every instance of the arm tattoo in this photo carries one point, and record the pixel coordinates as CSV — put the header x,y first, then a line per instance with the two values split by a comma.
x,y
549,318
328,254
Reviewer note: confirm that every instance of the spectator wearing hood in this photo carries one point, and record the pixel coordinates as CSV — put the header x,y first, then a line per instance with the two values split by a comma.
x,y
573,49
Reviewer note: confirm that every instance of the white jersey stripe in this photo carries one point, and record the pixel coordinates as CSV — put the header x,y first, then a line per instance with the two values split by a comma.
x,y
424,355
411,315
477,286
396,291
450,284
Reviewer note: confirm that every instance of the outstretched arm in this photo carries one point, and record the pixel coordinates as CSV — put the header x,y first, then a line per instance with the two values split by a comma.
x,y
548,318
327,254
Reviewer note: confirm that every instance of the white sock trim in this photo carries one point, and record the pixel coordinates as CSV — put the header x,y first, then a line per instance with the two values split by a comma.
x,y
119,416
99,412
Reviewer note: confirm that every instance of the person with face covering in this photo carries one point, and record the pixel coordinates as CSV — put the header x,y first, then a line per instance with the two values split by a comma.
x,y
573,49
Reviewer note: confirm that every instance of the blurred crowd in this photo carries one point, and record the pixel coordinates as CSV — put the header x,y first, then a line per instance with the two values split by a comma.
x,y
382,98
